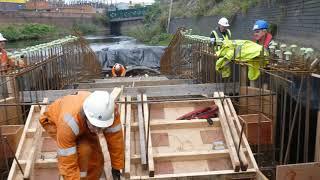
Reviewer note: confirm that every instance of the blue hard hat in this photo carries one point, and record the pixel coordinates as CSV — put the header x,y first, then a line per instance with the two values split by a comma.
x,y
260,24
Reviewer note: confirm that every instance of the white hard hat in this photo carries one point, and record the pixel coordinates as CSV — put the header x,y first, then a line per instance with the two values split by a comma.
x,y
224,22
99,109
117,67
2,38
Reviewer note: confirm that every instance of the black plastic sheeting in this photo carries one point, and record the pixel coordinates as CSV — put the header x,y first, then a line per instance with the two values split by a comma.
x,y
130,54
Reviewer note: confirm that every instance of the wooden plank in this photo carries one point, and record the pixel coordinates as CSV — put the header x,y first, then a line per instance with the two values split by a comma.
x,y
244,139
178,124
216,175
261,176
234,134
106,156
227,134
40,163
137,83
123,114
116,93
185,156
128,140
102,140
130,79
36,145
13,169
152,91
148,136
317,146
142,134
299,171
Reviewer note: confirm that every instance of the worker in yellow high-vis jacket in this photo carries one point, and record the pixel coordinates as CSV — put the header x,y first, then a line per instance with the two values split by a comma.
x,y
221,33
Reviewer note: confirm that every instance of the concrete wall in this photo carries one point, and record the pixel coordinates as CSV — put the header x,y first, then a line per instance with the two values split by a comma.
x,y
121,27
59,19
298,21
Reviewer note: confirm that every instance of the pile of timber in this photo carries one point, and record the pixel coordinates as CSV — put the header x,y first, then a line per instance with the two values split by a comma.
x,y
157,146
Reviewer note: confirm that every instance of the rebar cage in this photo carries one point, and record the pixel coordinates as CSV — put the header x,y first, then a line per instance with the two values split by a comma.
x,y
280,106
51,67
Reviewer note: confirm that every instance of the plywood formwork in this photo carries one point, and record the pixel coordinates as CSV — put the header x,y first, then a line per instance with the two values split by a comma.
x,y
10,135
9,115
184,148
173,148
301,171
260,101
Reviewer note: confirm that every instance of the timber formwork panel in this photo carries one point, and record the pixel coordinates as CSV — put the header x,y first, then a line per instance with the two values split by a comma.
x,y
182,148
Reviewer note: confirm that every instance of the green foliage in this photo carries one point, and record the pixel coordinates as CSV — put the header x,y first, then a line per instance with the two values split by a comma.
x,y
99,19
85,28
155,22
152,35
153,30
27,31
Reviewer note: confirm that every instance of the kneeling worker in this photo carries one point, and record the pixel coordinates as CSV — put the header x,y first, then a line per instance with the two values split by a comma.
x,y
118,70
73,121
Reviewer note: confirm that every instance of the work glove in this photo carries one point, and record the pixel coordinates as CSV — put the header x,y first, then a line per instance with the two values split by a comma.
x,y
212,41
115,174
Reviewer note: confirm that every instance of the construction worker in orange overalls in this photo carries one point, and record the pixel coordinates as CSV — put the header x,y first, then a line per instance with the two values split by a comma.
x,y
118,70
5,63
73,121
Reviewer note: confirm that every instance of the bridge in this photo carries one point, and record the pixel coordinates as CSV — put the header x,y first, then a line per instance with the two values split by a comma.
x,y
122,20
127,14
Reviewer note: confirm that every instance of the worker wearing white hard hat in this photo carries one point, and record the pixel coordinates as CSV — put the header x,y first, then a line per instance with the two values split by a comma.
x,y
4,60
7,63
118,70
222,32
74,121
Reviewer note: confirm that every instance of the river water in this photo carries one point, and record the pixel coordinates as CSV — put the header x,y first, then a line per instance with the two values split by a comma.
x,y
113,49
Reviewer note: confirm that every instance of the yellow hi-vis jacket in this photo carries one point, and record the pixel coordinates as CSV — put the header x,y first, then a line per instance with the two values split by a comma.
x,y
244,51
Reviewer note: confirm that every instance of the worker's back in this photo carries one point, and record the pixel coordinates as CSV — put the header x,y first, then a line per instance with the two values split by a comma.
x,y
66,107
121,72
71,104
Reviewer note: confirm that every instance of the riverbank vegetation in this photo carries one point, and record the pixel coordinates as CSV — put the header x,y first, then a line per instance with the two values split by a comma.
x,y
27,31
36,31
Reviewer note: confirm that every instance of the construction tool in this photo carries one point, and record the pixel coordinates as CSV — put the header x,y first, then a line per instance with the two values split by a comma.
x,y
203,113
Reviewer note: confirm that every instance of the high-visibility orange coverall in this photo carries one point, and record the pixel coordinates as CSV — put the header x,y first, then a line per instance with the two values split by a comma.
x,y
79,151
120,73
5,62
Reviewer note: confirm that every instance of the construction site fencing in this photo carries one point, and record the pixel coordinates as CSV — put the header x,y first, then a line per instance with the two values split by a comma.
x,y
280,107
